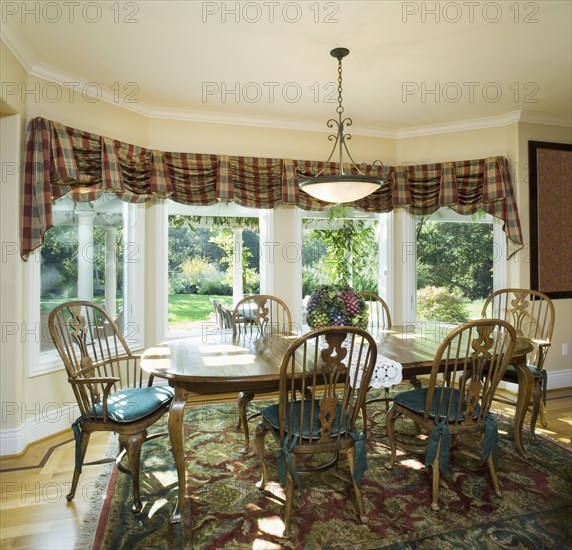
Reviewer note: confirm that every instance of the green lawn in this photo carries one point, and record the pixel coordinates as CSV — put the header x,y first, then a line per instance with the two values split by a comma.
x,y
193,307
48,305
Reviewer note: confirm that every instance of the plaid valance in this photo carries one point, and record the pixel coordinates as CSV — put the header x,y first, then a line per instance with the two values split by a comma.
x,y
58,157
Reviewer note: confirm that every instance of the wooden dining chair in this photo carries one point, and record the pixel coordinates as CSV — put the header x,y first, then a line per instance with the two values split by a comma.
x,y
252,317
531,313
468,366
111,391
324,378
379,319
223,315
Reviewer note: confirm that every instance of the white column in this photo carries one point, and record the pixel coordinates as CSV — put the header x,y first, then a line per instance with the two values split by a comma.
x,y
287,259
237,291
386,259
111,271
267,251
86,255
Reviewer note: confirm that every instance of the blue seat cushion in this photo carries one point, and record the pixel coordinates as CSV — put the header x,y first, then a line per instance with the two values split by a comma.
x,y
512,374
414,400
131,404
272,415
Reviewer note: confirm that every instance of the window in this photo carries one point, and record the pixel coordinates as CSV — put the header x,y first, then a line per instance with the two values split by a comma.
x,y
213,253
352,247
94,252
457,264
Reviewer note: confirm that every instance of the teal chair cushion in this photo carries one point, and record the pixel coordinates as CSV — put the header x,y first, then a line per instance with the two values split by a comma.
x,y
271,414
131,404
414,400
512,374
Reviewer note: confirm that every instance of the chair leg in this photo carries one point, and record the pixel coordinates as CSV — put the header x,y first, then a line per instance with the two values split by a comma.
x,y
133,445
76,473
494,477
357,488
390,428
536,407
244,398
261,431
289,496
436,479
364,418
543,420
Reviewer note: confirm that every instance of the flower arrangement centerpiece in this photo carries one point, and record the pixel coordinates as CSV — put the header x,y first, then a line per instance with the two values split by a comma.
x,y
336,306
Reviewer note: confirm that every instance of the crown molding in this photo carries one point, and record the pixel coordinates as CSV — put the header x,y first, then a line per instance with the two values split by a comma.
x,y
46,72
213,117
535,117
19,50
461,125
64,79
511,117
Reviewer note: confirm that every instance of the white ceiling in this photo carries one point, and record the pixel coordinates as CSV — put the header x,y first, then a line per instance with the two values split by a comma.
x,y
406,70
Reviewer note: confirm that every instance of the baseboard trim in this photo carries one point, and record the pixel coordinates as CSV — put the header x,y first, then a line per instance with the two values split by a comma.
x,y
14,441
557,380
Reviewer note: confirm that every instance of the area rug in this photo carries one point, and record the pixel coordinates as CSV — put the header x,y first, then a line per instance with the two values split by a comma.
x,y
225,510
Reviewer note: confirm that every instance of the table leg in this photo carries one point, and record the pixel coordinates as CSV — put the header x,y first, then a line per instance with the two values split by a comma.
x,y
177,444
244,399
525,386
415,382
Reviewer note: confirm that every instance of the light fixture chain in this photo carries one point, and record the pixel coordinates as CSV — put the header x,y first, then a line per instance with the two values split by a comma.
x,y
340,108
343,187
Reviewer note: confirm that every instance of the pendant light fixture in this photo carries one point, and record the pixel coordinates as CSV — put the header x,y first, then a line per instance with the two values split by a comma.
x,y
345,186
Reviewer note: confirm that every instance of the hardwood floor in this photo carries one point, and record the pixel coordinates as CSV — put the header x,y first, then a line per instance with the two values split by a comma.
x,y
36,516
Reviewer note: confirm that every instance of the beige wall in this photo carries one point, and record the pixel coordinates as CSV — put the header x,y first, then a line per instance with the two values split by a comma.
x,y
223,139
114,121
555,361
24,398
12,271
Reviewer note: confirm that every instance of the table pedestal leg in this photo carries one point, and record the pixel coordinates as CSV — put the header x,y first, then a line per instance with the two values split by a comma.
x,y
525,385
177,444
244,399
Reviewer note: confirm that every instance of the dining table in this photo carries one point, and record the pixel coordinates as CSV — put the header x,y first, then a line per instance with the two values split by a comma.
x,y
218,362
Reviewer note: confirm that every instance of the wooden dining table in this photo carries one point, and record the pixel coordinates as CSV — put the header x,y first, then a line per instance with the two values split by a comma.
x,y
219,362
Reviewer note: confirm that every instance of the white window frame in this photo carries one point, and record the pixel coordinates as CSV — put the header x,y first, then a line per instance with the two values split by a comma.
x,y
385,254
409,303
40,363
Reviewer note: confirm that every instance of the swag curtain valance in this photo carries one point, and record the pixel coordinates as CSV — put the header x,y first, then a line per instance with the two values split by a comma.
x,y
58,157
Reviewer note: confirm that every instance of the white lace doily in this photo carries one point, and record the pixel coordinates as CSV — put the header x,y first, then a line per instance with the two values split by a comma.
x,y
386,373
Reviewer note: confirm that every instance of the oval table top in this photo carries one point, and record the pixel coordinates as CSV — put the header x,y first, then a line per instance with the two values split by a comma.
x,y
239,362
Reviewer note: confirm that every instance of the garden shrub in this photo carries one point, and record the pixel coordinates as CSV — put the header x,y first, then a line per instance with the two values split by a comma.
x,y
215,285
440,304
179,283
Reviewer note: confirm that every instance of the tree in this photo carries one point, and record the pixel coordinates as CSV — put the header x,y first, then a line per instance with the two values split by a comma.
x,y
224,239
457,256
347,253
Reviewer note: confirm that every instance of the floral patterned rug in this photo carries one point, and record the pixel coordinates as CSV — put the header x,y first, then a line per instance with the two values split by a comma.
x,y
225,510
